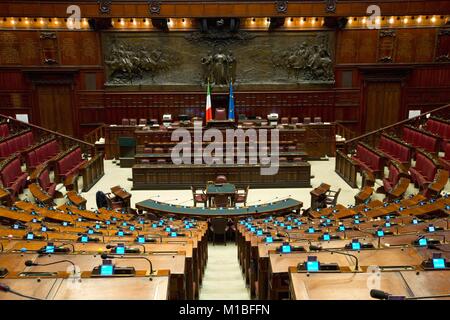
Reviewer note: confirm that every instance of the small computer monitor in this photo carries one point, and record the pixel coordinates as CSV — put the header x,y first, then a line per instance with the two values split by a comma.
x,y
356,245
107,269
439,263
120,249
50,248
312,265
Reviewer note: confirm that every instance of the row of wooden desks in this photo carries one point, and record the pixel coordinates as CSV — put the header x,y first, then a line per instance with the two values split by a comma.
x,y
185,257
133,288
357,286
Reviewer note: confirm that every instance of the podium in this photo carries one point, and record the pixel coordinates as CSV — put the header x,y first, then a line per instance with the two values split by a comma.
x,y
221,124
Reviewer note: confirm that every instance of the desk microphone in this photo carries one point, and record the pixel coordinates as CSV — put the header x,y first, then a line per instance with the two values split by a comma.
x,y
30,263
154,235
68,244
436,247
112,256
318,248
5,288
382,295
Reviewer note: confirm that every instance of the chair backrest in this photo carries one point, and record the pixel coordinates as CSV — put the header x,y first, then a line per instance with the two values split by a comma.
x,y
317,119
101,200
221,179
142,121
307,120
125,122
219,225
220,114
335,198
221,201
133,122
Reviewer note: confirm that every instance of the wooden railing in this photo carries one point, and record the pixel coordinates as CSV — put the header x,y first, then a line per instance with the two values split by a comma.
x,y
40,133
345,167
93,136
92,171
372,137
344,132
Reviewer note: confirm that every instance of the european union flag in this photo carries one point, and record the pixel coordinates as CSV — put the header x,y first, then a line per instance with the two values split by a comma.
x,y
231,104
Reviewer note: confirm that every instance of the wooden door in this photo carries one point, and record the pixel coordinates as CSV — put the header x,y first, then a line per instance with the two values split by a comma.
x,y
383,104
55,108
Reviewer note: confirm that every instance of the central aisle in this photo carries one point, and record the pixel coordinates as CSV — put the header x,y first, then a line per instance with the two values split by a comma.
x,y
223,279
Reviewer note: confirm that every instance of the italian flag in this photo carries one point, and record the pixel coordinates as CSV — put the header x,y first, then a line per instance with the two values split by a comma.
x,y
208,105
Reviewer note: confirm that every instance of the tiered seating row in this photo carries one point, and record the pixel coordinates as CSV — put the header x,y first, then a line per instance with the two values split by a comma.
x,y
12,176
424,171
69,164
441,128
41,153
421,139
394,149
369,159
15,143
4,130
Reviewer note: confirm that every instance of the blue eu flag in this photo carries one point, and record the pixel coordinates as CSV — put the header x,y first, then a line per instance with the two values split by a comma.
x,y
231,104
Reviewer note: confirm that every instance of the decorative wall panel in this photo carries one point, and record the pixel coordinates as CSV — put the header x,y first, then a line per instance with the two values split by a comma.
x,y
192,59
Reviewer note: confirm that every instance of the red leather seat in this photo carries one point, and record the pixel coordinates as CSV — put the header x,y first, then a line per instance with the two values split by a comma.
x,y
392,178
13,178
424,171
46,184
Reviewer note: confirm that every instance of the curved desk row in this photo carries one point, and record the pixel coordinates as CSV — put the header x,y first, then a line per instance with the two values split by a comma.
x,y
278,207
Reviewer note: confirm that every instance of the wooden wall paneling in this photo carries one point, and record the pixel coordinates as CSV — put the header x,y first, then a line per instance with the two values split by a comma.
x,y
356,46
415,45
443,45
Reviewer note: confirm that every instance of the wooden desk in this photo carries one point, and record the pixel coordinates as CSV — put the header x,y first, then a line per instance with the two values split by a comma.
x,y
5,197
76,199
342,286
363,195
31,287
169,176
15,262
86,262
123,195
427,283
227,190
40,195
11,215
399,189
439,183
389,257
318,196
279,266
135,288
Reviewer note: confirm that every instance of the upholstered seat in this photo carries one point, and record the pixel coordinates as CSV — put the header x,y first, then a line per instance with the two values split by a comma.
x,y
220,114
